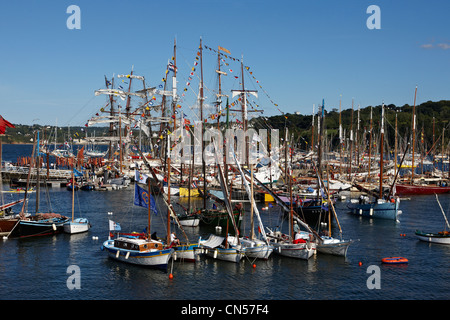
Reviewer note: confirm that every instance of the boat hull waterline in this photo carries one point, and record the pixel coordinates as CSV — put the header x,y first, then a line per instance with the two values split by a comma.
x,y
151,258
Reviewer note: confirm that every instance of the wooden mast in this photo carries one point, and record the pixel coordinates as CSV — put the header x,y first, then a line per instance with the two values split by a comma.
x,y
396,142
168,191
203,124
381,151
413,136
312,131
370,145
340,139
351,146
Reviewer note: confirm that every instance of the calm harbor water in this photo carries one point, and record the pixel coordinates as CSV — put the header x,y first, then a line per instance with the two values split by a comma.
x,y
37,268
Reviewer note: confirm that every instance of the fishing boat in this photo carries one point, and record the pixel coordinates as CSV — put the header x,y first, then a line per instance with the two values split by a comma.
x,y
442,237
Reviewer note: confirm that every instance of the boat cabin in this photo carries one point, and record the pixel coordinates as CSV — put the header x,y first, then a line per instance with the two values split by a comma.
x,y
137,244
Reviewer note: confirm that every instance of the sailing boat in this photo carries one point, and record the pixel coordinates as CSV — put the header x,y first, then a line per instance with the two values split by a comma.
x,y
379,207
40,224
328,244
184,251
442,237
290,245
218,247
253,248
138,248
77,225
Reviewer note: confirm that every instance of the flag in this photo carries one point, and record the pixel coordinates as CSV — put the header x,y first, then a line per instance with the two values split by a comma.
x,y
225,50
141,198
139,177
77,173
171,67
3,124
114,226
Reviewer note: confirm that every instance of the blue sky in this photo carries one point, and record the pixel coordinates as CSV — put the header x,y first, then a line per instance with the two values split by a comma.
x,y
300,52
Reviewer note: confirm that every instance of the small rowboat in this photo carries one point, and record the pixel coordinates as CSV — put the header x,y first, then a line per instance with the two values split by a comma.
x,y
394,260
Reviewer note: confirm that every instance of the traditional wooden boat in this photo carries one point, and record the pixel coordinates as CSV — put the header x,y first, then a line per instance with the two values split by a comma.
x,y
252,246
39,224
77,225
42,224
8,221
333,246
442,237
380,209
217,247
138,249
415,189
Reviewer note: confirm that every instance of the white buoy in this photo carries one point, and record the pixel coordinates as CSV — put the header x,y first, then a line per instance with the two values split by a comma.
x,y
54,227
127,255
117,254
5,237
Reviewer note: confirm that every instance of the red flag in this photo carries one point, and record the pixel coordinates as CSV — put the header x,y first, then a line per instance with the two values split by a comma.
x,y
4,124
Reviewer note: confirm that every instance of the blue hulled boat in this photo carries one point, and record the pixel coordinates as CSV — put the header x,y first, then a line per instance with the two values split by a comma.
x,y
380,208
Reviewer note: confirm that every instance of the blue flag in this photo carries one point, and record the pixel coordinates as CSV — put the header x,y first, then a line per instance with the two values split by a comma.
x,y
141,198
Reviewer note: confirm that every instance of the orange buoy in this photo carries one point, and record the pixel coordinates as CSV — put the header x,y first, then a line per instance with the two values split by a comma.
x,y
360,263
171,276
394,260
254,266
